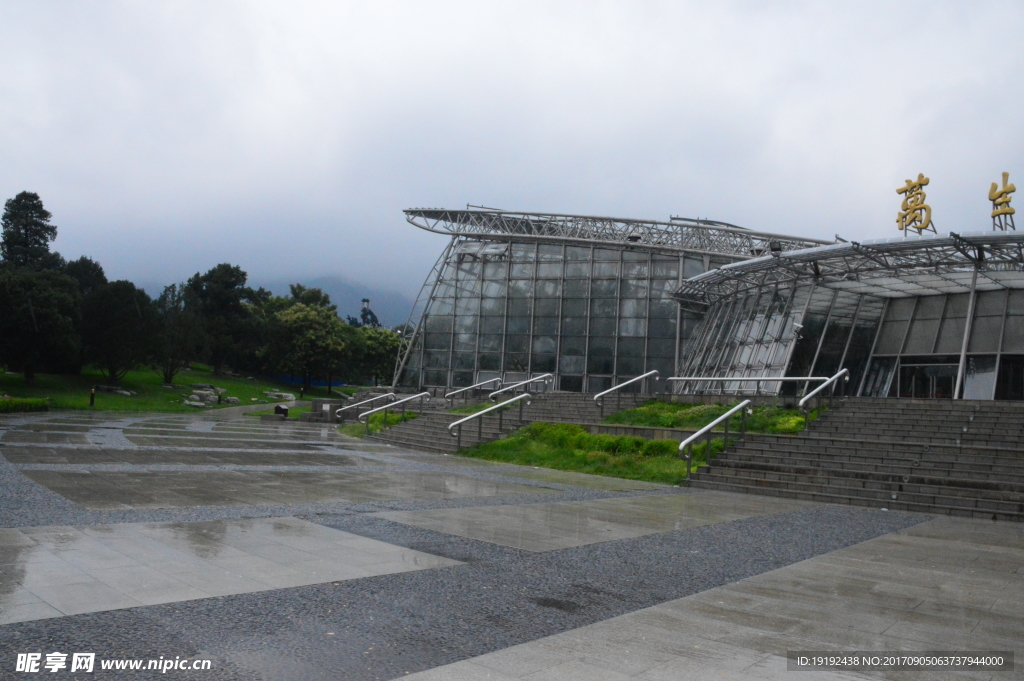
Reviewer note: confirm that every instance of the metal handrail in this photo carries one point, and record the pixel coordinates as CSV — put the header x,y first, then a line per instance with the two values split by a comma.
x,y
814,393
543,377
600,402
359,404
500,408
422,397
452,394
687,444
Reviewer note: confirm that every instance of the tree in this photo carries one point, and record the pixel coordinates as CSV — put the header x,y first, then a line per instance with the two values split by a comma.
x,y
118,328
309,340
220,295
313,297
39,315
88,273
179,331
27,233
381,353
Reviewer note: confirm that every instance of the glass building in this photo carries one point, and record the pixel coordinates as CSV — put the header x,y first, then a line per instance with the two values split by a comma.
x,y
937,316
587,299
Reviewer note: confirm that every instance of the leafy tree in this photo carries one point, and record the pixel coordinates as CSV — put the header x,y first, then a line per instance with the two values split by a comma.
x,y
179,331
39,315
88,273
309,339
27,233
118,328
313,297
381,353
221,294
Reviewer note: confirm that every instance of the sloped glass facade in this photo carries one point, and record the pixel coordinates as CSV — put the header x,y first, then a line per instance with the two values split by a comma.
x,y
592,315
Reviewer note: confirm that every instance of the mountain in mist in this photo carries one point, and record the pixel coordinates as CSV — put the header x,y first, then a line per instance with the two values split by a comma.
x,y
392,308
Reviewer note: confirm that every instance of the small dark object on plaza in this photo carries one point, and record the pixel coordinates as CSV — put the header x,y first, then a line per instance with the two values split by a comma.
x,y
282,410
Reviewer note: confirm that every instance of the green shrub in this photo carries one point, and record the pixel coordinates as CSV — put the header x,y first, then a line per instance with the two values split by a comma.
x,y
660,448
376,423
658,414
13,404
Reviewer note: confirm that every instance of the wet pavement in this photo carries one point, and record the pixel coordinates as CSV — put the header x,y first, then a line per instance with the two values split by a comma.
x,y
289,551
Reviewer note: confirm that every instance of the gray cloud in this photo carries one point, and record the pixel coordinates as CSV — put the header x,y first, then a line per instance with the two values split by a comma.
x,y
287,137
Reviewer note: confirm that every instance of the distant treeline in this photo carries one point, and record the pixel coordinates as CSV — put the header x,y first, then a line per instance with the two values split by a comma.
x,y
58,317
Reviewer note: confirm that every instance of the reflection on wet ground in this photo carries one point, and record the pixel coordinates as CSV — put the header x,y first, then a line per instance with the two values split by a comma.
x,y
182,489
540,474
62,570
547,527
142,457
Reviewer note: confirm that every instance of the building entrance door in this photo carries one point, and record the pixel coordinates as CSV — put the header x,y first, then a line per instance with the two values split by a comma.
x,y
927,380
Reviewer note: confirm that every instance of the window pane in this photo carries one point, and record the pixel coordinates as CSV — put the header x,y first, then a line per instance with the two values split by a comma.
x,y
604,287
574,307
492,324
606,269
543,344
602,326
490,342
577,270
492,306
633,307
517,343
602,307
546,307
548,288
574,326
574,345
545,325
521,270
571,364
495,270
633,327
576,288
577,253
985,336
518,325
668,270
549,270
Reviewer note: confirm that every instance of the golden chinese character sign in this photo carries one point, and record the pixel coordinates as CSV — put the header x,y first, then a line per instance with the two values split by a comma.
x,y
916,214
1002,212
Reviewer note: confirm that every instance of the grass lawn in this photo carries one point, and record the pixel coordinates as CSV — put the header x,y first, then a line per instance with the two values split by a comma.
x,y
72,392
659,414
568,447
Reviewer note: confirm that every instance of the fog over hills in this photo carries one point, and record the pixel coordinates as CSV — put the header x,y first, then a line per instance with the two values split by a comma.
x,y
392,308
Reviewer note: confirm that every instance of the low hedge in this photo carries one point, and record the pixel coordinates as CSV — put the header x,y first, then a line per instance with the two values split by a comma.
x,y
15,404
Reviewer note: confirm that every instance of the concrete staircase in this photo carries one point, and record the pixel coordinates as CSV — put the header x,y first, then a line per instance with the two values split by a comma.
x,y
429,431
961,458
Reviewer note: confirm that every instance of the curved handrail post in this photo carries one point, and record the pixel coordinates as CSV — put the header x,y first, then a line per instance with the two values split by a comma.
x,y
422,397
599,398
457,425
337,412
547,378
448,398
686,446
814,393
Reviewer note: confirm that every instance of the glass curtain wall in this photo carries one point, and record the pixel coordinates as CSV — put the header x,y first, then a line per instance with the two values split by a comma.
x,y
917,353
593,316
755,334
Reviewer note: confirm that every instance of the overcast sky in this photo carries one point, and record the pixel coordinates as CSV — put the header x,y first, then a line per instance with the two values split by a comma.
x,y
287,137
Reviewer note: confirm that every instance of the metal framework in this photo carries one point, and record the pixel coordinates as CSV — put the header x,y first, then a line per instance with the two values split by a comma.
x,y
703,236
889,268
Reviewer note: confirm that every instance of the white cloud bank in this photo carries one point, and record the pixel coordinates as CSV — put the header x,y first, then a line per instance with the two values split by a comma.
x,y
287,136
